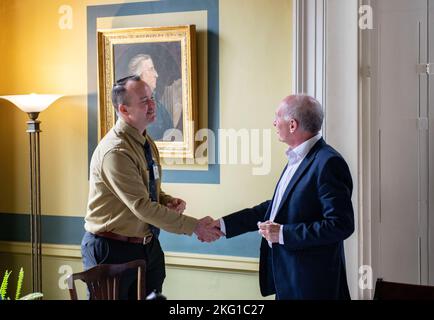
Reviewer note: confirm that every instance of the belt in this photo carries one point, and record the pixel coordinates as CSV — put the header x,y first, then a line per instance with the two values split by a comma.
x,y
118,237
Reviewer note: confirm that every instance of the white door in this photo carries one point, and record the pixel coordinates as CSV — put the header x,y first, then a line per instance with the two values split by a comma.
x,y
431,142
403,246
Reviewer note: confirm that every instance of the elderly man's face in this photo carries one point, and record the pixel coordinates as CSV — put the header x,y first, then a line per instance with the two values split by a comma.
x,y
149,74
282,126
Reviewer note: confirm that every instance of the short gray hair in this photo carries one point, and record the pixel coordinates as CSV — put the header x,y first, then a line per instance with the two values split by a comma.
x,y
135,63
306,110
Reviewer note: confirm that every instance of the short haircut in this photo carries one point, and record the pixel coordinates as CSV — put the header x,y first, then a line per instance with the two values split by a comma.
x,y
119,92
306,110
135,64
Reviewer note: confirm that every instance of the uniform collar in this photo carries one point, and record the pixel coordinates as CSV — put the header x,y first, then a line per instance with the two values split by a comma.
x,y
123,127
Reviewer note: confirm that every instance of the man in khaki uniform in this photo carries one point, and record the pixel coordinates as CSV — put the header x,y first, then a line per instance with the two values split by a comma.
x,y
126,205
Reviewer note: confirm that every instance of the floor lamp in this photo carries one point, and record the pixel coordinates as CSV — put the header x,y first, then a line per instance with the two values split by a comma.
x,y
33,104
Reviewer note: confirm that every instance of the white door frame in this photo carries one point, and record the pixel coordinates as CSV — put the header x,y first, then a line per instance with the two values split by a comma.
x,y
328,70
309,48
368,197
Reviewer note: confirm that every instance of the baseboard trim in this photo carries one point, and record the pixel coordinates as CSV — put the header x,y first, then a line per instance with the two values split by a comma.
x,y
49,250
214,262
173,259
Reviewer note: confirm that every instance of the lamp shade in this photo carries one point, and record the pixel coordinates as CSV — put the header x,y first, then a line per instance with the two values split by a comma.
x,y
32,102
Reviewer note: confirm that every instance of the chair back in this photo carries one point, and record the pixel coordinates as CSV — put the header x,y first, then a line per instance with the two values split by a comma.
x,y
401,291
103,280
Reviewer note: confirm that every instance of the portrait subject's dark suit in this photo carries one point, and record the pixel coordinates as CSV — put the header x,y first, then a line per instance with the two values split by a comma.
x,y
317,215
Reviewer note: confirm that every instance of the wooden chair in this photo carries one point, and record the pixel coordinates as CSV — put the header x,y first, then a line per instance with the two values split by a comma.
x,y
103,280
401,291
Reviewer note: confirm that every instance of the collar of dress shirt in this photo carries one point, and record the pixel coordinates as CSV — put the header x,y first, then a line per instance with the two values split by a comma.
x,y
123,127
300,151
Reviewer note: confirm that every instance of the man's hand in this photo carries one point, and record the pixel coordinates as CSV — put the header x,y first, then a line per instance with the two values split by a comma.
x,y
207,231
270,231
177,205
216,223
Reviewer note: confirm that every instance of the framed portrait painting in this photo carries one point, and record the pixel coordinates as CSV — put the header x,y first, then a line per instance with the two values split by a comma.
x,y
165,58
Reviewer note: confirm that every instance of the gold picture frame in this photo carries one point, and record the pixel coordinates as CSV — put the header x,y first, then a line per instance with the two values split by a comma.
x,y
165,57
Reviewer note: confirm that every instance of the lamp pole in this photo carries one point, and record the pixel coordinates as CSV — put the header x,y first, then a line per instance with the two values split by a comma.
x,y
33,104
35,203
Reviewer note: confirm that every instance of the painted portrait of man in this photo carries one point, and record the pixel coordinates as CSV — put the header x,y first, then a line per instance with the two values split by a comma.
x,y
159,65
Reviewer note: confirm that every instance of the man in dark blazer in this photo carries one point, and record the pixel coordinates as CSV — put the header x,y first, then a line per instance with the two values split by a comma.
x,y
310,215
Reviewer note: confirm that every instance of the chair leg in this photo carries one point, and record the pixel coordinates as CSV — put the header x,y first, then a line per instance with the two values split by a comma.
x,y
116,288
139,283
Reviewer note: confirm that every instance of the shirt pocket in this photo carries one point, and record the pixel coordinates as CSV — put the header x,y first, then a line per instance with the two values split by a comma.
x,y
145,175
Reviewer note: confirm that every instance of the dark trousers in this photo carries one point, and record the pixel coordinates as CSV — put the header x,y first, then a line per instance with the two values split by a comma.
x,y
98,250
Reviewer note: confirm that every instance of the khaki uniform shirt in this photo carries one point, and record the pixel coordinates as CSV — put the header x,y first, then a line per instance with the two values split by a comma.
x,y
119,200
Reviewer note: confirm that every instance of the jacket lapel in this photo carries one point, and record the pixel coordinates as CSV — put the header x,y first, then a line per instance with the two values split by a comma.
x,y
307,161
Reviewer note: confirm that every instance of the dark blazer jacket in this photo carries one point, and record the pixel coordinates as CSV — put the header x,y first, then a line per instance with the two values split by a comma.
x,y
317,215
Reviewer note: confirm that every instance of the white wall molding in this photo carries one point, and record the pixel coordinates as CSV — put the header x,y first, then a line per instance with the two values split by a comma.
x,y
173,259
310,48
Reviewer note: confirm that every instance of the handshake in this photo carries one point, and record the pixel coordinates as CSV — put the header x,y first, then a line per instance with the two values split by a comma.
x,y
208,230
